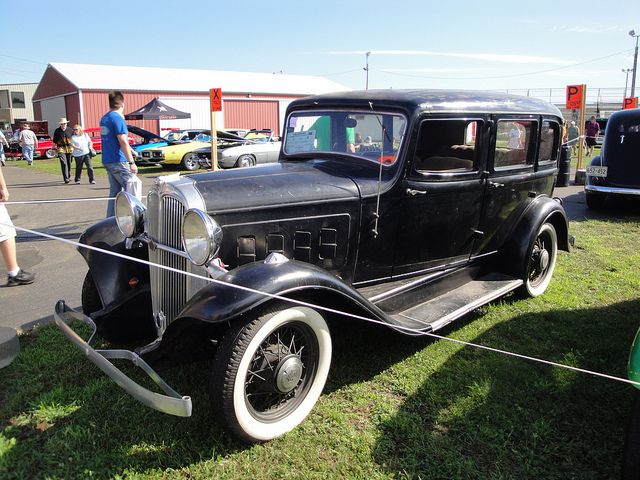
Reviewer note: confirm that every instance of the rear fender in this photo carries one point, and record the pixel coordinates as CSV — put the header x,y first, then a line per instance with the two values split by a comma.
x,y
111,274
542,210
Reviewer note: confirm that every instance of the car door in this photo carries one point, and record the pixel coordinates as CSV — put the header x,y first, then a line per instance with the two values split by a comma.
x,y
512,181
443,196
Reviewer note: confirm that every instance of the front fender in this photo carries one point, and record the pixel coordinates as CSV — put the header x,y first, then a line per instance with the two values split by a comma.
x,y
542,210
252,285
111,274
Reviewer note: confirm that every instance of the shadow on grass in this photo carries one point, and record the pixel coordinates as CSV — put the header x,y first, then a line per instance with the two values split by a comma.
x,y
478,415
62,417
487,415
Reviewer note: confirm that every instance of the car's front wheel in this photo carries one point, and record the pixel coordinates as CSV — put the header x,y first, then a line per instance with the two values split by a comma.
x,y
190,162
541,261
51,153
270,371
246,161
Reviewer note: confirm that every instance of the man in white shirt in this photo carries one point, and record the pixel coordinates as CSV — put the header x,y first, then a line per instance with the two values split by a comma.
x,y
28,142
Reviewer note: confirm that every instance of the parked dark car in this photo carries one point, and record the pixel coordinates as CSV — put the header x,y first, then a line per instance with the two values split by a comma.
x,y
616,171
449,207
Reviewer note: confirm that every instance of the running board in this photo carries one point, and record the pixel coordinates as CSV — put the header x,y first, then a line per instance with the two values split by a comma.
x,y
437,312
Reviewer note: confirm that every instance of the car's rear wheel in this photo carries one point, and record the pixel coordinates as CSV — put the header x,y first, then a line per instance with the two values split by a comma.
x,y
190,161
246,161
270,371
541,261
51,153
595,200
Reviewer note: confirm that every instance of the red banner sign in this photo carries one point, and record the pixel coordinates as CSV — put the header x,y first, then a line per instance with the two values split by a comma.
x,y
574,97
631,102
215,94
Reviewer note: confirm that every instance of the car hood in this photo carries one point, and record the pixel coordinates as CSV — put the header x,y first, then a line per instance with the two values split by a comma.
x,y
178,148
273,185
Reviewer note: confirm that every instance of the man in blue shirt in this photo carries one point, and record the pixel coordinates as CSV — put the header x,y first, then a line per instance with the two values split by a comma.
x,y
116,152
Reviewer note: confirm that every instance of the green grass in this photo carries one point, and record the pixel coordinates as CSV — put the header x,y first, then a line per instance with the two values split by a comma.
x,y
394,407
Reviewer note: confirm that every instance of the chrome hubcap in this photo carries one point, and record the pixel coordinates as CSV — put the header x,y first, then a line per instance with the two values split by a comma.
x,y
288,373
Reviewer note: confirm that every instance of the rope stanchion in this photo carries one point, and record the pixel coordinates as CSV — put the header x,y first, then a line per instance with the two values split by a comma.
x,y
407,330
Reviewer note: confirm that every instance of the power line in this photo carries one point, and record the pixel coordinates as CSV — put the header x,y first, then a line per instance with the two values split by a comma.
x,y
506,76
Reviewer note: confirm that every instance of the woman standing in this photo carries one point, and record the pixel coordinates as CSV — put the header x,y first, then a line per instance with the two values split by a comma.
x,y
81,152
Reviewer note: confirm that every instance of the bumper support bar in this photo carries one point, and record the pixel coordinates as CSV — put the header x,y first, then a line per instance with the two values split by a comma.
x,y
172,403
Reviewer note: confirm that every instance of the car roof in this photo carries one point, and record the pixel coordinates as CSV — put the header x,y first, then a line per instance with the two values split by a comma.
x,y
432,101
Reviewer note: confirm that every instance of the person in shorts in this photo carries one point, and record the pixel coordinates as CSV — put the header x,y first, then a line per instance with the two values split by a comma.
x,y
15,275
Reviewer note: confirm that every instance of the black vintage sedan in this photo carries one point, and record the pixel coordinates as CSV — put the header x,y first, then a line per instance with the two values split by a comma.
x,y
404,208
616,171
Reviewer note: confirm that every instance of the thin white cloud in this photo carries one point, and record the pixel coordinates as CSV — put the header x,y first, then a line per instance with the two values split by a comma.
x,y
589,29
488,57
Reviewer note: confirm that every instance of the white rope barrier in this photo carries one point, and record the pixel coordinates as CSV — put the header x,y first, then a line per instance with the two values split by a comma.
x,y
59,200
407,330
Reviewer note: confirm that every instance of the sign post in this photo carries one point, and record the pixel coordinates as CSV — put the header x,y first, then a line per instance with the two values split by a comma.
x,y
630,102
215,96
577,98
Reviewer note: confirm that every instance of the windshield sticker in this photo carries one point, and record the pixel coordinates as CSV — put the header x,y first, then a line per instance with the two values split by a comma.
x,y
298,142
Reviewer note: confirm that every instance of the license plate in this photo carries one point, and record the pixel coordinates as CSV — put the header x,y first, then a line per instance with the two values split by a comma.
x,y
597,171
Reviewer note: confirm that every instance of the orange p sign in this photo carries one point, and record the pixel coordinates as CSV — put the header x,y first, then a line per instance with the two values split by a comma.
x,y
574,97
631,102
215,94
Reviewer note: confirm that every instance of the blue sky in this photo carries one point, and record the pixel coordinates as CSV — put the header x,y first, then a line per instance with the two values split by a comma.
x,y
443,44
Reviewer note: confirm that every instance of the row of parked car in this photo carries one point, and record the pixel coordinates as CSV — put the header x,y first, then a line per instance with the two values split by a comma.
x,y
191,149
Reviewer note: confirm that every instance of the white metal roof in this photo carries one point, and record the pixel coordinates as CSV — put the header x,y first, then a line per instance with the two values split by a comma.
x,y
114,77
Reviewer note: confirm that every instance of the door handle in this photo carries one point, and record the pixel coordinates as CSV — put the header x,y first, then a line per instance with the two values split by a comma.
x,y
495,184
413,193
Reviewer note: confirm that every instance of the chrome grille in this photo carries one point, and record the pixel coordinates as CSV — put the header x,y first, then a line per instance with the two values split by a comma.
x,y
169,289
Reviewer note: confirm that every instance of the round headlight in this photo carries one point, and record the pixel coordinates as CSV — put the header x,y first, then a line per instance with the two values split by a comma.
x,y
129,214
201,236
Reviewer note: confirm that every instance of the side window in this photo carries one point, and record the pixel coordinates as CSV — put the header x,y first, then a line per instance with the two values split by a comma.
x,y
514,146
549,138
447,146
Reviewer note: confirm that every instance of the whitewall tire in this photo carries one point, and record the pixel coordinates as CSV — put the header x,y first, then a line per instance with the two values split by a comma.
x,y
270,372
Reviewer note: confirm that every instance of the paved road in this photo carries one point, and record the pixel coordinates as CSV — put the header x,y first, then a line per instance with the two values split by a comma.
x,y
60,268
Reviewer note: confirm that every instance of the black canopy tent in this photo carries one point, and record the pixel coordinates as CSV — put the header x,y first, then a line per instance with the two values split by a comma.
x,y
156,110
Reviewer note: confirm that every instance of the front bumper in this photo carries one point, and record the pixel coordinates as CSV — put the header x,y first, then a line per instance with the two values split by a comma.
x,y
611,190
172,403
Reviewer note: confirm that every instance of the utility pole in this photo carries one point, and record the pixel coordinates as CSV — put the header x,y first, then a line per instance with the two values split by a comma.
x,y
633,34
626,79
366,69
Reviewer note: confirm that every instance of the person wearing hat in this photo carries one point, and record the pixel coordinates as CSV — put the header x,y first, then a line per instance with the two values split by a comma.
x,y
62,139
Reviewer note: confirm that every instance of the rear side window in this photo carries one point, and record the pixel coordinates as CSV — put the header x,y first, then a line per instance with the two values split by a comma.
x,y
549,138
447,146
514,144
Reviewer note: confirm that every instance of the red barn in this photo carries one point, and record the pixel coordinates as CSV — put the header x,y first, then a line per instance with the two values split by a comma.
x,y
249,100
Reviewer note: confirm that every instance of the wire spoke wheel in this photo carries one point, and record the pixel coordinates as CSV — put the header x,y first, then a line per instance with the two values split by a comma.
x,y
541,261
269,372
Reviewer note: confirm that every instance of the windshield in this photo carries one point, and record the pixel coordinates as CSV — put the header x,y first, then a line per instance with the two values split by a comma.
x,y
374,136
